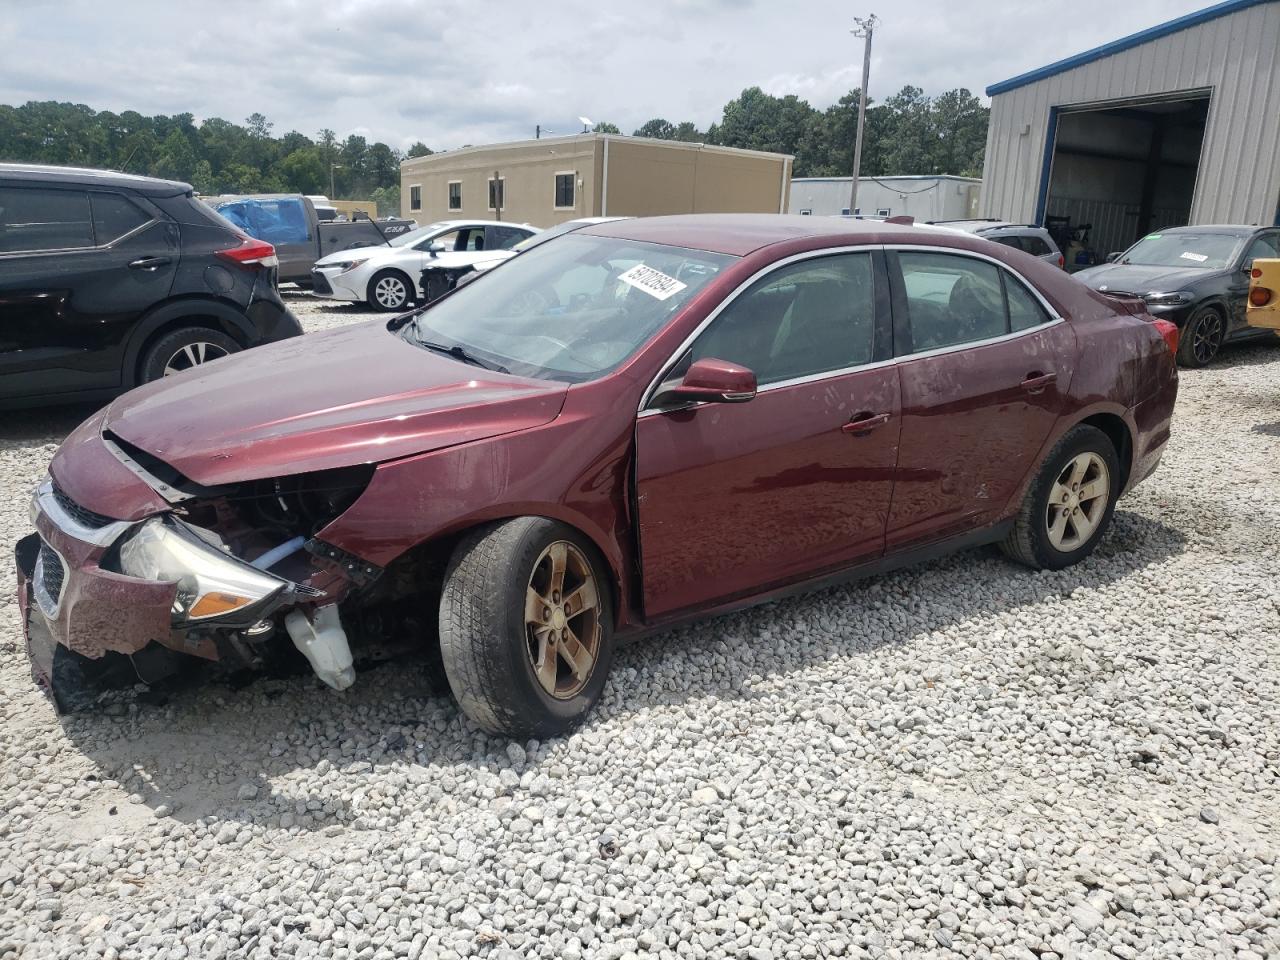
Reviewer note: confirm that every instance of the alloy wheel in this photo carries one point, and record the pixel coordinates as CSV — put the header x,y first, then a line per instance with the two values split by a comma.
x,y
1078,501
192,355
391,292
562,620
1206,338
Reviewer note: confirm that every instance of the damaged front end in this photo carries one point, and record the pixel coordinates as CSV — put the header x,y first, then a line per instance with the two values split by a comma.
x,y
218,574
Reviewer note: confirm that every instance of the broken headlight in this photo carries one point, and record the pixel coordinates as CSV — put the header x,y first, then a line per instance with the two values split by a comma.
x,y
210,583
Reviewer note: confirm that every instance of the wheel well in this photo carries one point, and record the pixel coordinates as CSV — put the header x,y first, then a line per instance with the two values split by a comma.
x,y
196,319
423,566
1117,432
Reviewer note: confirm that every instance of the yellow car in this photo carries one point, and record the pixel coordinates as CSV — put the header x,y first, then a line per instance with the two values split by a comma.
x,y
1264,295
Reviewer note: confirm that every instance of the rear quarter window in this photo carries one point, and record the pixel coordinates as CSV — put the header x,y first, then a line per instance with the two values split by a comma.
x,y
115,215
1035,246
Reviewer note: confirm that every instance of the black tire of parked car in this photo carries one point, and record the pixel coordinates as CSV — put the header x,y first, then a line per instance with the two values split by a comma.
x,y
1201,337
182,349
390,279
1029,540
486,642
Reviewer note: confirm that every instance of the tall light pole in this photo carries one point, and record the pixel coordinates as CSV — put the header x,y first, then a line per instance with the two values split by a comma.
x,y
333,167
866,26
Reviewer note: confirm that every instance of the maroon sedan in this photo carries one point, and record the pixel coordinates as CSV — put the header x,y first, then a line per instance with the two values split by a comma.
x,y
643,422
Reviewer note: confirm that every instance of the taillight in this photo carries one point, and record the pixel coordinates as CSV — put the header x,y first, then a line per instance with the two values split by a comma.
x,y
1169,331
1259,296
250,253
1062,262
1257,273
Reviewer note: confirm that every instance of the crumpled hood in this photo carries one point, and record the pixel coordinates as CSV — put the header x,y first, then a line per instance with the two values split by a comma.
x,y
355,395
1138,279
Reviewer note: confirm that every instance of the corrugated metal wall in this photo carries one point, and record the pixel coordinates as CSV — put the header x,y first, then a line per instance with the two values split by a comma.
x,y
1236,55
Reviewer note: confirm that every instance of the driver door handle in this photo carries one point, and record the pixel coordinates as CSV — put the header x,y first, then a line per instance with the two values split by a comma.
x,y
864,423
1037,381
150,263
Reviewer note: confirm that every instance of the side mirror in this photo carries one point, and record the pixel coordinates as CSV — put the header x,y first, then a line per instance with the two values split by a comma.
x,y
712,381
1113,257
435,248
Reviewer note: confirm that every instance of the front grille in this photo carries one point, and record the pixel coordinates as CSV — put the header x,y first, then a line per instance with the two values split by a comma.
x,y
320,283
50,575
81,515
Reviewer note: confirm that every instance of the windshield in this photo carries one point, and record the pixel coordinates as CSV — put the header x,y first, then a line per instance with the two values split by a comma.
x,y
413,236
1210,251
570,310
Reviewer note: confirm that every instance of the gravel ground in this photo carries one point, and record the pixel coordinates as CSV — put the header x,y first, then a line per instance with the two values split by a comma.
x,y
960,759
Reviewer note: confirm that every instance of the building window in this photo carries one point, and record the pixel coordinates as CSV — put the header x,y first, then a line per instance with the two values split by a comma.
x,y
882,212
565,197
806,212
455,194
497,193
415,197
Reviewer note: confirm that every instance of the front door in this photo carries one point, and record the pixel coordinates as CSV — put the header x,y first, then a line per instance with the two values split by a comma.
x,y
984,368
734,499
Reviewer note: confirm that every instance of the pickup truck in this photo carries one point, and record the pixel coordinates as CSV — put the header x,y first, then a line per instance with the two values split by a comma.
x,y
289,222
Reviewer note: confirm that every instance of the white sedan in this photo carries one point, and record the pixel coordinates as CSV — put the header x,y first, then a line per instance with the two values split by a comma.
x,y
386,277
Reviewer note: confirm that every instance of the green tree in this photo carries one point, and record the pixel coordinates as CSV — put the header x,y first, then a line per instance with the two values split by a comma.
x,y
419,149
657,129
303,171
605,128
388,201
176,158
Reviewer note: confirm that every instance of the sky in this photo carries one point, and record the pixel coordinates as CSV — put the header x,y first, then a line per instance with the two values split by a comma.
x,y
455,73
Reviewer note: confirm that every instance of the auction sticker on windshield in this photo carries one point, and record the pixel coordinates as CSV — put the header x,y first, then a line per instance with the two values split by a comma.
x,y
1197,257
653,282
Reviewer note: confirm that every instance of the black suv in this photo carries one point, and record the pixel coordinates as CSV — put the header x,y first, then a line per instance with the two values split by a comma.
x,y
108,281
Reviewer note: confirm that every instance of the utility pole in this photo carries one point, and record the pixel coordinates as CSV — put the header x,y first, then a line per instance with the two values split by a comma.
x,y
866,26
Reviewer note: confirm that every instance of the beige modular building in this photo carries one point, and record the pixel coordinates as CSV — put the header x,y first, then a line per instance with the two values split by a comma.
x,y
545,182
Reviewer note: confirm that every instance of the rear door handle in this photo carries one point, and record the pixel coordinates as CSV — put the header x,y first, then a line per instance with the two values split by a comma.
x,y
1036,381
150,263
865,423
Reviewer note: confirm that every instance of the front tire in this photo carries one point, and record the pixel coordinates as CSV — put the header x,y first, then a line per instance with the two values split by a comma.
x,y
1068,507
183,349
390,290
526,627
1201,338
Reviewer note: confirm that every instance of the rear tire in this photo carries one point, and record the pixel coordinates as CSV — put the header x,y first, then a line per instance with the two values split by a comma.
x,y
1069,505
1201,338
526,654
182,349
390,290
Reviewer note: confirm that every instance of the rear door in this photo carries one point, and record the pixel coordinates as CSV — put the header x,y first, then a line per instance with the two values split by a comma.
x,y
734,499
985,365
77,269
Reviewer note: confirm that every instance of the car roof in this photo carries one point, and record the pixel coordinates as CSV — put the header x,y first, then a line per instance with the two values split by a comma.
x,y
454,224
738,234
982,226
87,177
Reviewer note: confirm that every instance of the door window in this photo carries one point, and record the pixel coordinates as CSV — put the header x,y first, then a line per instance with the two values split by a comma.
x,y
1035,246
39,219
1266,247
951,299
806,318
504,238
114,216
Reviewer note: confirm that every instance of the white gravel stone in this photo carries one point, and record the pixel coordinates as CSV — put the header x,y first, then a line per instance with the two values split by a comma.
x,y
961,758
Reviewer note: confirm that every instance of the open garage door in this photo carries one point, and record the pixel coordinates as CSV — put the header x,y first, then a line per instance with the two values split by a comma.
x,y
1124,170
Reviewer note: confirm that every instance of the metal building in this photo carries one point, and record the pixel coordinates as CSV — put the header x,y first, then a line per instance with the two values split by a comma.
x,y
1177,124
940,197
548,181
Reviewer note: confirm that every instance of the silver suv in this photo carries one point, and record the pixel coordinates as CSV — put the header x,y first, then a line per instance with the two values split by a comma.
x,y
1021,236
